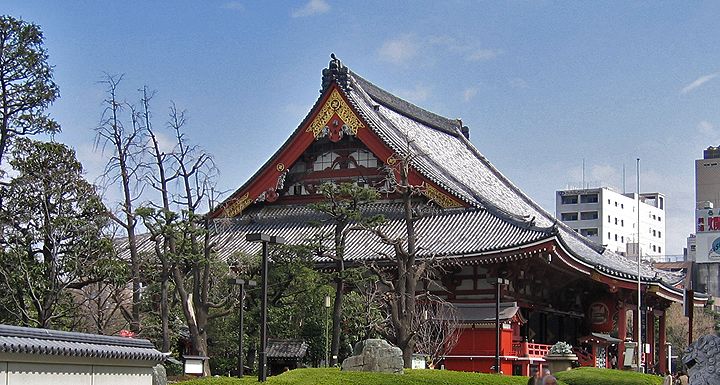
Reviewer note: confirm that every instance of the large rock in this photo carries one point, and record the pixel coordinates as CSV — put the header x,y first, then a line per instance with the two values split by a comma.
x,y
702,357
159,375
375,355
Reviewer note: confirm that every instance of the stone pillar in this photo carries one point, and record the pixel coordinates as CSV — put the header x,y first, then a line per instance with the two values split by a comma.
x,y
622,333
662,348
650,331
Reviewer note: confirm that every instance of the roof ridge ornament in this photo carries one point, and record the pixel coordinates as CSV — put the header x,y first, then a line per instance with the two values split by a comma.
x,y
336,72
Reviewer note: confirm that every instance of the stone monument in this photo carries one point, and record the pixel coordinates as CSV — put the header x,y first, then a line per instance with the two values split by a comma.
x,y
702,358
375,355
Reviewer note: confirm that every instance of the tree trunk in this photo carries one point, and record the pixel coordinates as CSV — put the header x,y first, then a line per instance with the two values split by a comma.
x,y
164,311
337,314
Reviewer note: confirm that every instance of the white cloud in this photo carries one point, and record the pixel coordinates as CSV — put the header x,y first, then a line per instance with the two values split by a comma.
x,y
706,129
518,83
415,95
399,50
234,5
482,55
698,82
313,7
469,93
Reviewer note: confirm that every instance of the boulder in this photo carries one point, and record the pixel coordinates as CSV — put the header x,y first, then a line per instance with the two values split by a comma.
x,y
159,375
375,355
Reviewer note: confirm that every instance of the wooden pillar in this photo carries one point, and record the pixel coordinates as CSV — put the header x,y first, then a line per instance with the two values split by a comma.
x,y
650,331
622,333
662,348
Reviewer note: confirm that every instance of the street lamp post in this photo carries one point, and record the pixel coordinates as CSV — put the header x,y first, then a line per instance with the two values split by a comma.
x,y
327,330
497,282
241,283
265,239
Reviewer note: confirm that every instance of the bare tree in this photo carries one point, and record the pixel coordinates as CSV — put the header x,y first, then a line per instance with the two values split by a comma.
x,y
182,237
126,143
436,327
161,180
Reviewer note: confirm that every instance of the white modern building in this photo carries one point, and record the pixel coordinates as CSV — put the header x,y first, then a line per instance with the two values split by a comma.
x,y
610,219
705,248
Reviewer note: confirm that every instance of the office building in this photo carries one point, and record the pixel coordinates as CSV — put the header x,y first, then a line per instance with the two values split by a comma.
x,y
610,218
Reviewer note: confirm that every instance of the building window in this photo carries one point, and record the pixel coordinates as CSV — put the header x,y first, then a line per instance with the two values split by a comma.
x,y
589,198
654,233
608,201
589,232
588,215
615,237
609,235
659,219
622,223
654,248
654,216
569,199
325,161
615,203
622,206
568,216
622,239
692,247
363,158
662,203
608,219
659,234
659,249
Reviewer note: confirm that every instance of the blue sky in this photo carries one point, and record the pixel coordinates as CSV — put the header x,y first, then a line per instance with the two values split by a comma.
x,y
542,85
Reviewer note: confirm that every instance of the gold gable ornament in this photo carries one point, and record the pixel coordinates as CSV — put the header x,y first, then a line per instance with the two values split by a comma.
x,y
439,198
323,126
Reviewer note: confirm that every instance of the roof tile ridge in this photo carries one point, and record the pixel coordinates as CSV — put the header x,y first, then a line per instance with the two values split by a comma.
x,y
557,224
377,95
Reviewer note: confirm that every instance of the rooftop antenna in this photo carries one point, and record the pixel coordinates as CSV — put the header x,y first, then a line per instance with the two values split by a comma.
x,y
583,173
624,191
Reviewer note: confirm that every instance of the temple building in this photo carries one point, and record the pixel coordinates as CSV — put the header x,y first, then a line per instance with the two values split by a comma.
x,y
561,286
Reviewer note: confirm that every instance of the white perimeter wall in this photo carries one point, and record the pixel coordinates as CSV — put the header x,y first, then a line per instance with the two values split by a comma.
x,y
35,373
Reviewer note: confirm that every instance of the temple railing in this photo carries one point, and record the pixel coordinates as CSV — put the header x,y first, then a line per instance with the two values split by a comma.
x,y
529,349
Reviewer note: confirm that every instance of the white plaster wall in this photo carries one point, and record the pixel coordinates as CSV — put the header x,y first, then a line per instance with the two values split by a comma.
x,y
21,373
40,373
3,373
119,375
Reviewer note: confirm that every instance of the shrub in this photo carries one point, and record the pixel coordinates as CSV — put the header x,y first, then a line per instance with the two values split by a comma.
x,y
561,348
594,376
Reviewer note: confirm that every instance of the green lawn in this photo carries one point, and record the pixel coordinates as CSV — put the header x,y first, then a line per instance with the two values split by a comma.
x,y
336,377
321,376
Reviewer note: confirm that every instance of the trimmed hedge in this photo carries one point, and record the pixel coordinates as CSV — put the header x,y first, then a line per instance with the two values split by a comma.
x,y
595,376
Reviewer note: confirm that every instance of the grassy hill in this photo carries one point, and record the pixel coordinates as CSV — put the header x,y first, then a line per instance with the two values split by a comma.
x,y
323,376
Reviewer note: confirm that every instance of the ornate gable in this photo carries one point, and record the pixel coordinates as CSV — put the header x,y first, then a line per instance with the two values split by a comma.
x,y
334,143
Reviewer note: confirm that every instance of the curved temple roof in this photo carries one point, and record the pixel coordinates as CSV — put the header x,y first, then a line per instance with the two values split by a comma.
x,y
499,215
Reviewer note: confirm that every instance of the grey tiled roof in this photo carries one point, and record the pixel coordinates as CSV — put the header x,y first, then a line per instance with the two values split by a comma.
x,y
449,233
23,340
484,312
280,348
501,215
449,159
